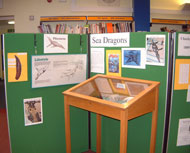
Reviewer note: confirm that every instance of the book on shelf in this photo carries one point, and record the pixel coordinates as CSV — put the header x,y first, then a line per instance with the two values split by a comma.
x,y
109,27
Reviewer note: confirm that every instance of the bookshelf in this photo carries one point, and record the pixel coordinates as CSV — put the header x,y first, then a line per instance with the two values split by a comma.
x,y
86,24
172,24
63,24
110,24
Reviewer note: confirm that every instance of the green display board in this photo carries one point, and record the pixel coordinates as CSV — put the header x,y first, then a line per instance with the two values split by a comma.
x,y
180,108
139,128
49,136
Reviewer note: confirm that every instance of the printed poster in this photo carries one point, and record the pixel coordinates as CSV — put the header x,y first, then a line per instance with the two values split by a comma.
x,y
113,62
182,72
184,45
97,60
110,40
33,111
134,58
55,43
155,48
53,70
17,67
183,137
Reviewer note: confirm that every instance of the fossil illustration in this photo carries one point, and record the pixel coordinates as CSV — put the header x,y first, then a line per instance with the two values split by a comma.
x,y
70,72
18,68
54,44
40,71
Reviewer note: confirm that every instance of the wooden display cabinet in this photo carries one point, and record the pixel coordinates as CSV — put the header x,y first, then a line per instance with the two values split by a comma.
x,y
115,97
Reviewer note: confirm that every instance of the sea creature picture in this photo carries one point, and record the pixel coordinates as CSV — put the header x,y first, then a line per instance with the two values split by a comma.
x,y
133,57
55,43
113,62
33,111
155,48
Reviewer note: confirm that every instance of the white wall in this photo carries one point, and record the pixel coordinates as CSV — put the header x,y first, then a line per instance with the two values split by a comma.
x,y
22,9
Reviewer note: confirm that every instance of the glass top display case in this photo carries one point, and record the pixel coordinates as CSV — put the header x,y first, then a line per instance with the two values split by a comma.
x,y
115,97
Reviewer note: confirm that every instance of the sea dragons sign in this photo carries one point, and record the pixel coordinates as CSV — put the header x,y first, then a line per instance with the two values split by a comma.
x,y
110,40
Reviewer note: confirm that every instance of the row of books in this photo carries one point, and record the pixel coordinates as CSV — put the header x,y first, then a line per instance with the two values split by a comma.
x,y
110,27
62,28
90,28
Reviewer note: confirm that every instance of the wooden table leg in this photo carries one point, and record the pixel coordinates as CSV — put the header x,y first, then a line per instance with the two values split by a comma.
x,y
98,134
123,131
154,125
67,126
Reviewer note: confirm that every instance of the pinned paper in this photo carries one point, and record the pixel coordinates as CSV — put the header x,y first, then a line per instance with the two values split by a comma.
x,y
97,60
113,62
17,67
183,137
188,94
182,74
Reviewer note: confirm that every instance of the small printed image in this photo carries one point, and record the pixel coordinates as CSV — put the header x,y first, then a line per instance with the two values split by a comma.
x,y
113,60
155,48
132,57
33,111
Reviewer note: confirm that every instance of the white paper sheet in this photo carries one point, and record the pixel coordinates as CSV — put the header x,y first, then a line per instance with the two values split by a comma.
x,y
184,45
183,73
183,137
155,49
110,40
55,43
53,70
97,60
188,94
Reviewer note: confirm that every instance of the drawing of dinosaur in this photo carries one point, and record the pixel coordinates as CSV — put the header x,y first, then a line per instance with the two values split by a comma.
x,y
54,44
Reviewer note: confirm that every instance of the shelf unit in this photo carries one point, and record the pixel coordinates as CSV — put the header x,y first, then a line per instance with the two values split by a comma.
x,y
63,24
173,24
86,24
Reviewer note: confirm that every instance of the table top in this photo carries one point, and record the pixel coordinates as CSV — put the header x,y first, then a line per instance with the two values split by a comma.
x,y
111,90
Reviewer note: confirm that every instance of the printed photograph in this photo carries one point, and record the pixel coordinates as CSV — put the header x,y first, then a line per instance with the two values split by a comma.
x,y
113,63
133,57
155,48
33,111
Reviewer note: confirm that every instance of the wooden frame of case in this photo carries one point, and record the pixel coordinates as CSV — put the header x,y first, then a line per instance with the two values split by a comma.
x,y
143,103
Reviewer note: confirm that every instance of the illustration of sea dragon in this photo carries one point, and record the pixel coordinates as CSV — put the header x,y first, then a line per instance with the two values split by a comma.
x,y
70,72
155,49
132,57
18,68
54,44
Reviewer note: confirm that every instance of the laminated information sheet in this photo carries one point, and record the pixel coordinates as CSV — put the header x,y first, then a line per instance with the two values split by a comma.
x,y
53,70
